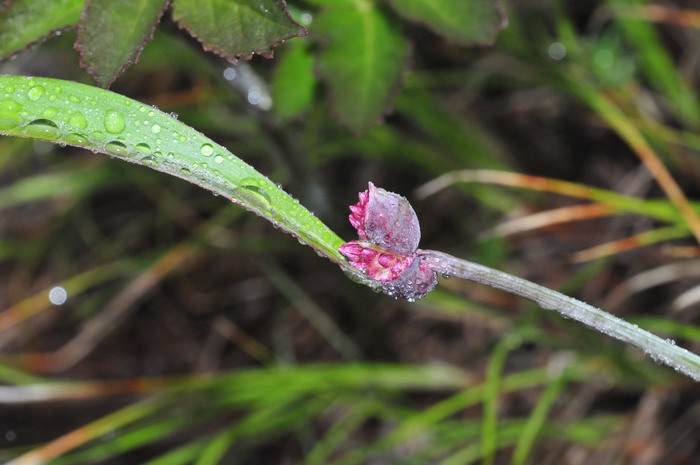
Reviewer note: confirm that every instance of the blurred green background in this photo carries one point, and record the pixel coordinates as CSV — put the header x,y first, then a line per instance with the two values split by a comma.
x,y
143,320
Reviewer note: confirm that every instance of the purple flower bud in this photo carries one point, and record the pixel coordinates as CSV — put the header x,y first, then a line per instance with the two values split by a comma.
x,y
389,235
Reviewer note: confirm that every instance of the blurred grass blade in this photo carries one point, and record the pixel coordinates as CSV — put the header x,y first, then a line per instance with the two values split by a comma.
x,y
70,113
26,22
112,34
658,209
629,243
657,65
492,390
538,418
466,21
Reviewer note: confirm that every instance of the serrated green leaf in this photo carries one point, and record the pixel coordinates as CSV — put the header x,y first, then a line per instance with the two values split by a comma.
x,y
237,28
294,82
112,34
362,61
464,21
26,22
69,113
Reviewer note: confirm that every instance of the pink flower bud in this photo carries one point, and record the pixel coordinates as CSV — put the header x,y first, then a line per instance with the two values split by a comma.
x,y
389,235
387,220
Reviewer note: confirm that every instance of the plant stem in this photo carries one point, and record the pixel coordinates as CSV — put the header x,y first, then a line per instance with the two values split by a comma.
x,y
662,351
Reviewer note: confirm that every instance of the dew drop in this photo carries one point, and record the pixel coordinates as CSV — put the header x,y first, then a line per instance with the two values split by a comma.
x,y
171,155
116,147
155,129
42,128
185,171
98,135
73,98
75,138
249,192
149,159
114,122
219,159
182,138
9,119
50,112
207,150
78,120
10,105
35,93
143,148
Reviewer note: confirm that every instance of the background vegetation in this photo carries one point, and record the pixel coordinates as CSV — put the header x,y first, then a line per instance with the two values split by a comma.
x,y
194,332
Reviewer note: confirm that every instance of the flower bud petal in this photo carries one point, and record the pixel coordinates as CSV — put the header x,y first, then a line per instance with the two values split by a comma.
x,y
415,282
390,222
378,264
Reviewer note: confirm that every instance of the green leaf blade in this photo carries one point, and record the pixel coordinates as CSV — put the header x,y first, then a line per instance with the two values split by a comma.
x,y
294,82
84,116
112,34
24,23
362,63
237,29
465,21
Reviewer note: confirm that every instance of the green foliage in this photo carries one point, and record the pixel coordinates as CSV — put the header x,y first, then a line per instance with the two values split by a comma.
x,y
294,83
468,21
26,22
360,89
240,315
100,120
237,28
111,35
363,50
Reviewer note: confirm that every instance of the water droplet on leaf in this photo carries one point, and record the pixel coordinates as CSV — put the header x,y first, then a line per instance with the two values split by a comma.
x,y
116,147
9,119
207,150
143,148
35,93
42,128
76,139
114,122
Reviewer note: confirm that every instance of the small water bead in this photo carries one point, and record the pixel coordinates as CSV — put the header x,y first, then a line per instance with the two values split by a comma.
x,y
218,159
207,150
76,139
149,159
50,112
185,171
251,193
116,147
35,93
155,129
78,120
10,105
143,148
98,136
9,119
171,155
182,138
42,128
74,99
114,122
